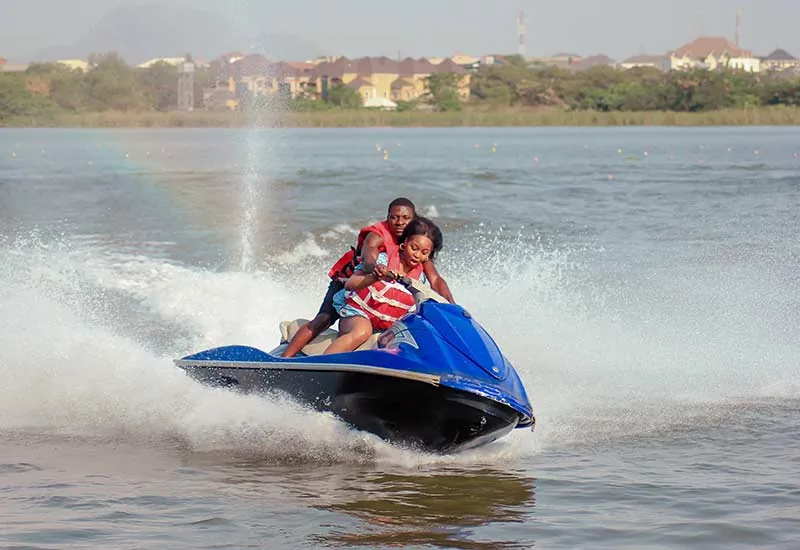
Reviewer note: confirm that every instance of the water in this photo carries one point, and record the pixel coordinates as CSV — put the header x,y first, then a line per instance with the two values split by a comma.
x,y
643,281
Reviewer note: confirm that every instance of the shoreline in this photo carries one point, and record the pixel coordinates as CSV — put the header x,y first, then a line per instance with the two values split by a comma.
x,y
362,118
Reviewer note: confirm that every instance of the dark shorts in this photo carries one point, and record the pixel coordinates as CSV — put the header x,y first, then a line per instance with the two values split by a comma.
x,y
327,302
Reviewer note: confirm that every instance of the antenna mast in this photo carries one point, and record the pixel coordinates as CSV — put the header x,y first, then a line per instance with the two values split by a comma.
x,y
521,47
738,27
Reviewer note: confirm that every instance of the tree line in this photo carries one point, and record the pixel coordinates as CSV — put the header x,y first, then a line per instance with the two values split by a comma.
x,y
112,85
605,88
109,85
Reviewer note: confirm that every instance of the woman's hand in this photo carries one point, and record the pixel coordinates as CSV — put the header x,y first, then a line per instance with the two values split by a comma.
x,y
381,272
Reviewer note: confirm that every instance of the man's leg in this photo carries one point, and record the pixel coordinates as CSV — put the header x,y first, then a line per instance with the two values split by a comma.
x,y
326,316
307,333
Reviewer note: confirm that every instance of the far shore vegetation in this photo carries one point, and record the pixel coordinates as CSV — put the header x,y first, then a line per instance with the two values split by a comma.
x,y
362,118
113,94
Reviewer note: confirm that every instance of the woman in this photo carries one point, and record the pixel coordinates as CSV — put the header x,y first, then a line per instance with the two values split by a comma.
x,y
372,302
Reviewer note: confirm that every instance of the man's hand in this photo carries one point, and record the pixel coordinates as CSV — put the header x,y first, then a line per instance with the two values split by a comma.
x,y
381,272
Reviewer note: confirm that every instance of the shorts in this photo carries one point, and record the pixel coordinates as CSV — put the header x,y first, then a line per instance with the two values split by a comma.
x,y
327,306
344,309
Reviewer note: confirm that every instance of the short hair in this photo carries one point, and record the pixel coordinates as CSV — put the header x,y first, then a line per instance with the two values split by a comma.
x,y
401,201
426,227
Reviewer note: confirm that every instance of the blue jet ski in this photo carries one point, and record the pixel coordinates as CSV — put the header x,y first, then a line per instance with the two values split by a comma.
x,y
435,380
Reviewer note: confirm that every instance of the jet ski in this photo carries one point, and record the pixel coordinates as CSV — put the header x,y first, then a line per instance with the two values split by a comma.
x,y
435,380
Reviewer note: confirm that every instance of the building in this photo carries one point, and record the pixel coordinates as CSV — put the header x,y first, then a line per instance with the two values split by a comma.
x,y
448,66
599,60
2,62
11,68
566,57
469,62
186,71
370,77
384,78
174,61
561,60
74,64
378,81
660,62
253,76
494,59
713,53
779,60
218,99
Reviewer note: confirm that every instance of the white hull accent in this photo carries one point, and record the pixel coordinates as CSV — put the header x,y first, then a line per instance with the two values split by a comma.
x,y
259,365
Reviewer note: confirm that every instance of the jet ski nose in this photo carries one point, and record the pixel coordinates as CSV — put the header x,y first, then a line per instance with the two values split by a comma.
x,y
457,327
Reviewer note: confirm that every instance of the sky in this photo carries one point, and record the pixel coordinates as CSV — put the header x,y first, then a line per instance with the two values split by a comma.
x,y
618,28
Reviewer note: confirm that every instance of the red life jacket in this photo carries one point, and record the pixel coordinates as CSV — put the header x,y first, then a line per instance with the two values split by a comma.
x,y
345,265
384,303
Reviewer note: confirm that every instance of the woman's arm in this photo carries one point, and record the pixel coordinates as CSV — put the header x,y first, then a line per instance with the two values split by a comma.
x,y
437,282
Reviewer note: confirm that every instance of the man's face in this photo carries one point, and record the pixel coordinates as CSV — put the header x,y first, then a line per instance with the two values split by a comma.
x,y
398,218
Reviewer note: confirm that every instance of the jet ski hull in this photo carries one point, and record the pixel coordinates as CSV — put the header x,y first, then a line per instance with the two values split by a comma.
x,y
435,380
403,407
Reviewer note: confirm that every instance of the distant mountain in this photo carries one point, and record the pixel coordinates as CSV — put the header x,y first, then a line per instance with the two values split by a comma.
x,y
143,32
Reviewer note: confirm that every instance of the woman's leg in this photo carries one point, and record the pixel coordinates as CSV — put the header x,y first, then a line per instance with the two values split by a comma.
x,y
353,331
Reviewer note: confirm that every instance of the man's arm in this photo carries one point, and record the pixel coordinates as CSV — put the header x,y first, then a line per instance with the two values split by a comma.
x,y
437,282
359,280
370,250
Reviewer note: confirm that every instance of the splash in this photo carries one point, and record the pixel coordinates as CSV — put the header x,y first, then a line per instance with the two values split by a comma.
x,y
605,357
76,366
252,195
89,333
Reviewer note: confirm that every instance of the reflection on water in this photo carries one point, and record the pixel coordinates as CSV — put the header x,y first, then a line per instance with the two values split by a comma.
x,y
447,507
437,508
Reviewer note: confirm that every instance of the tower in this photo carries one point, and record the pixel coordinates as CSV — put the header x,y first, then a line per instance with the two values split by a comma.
x,y
521,31
738,28
186,84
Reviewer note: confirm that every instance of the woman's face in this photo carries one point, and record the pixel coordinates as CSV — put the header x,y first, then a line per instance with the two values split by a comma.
x,y
417,249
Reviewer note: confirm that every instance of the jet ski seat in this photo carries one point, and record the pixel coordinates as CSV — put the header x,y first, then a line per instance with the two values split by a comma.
x,y
321,342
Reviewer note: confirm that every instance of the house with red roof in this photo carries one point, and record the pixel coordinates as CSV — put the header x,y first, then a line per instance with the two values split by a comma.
x,y
381,79
715,52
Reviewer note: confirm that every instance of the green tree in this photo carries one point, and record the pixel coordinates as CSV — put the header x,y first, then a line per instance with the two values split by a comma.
x,y
159,83
17,101
515,60
112,85
407,105
780,91
68,90
443,91
343,96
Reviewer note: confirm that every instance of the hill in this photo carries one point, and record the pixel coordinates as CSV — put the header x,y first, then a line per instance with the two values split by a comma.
x,y
147,31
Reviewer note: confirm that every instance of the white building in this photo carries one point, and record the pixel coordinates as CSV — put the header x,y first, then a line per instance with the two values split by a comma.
x,y
174,61
660,62
713,53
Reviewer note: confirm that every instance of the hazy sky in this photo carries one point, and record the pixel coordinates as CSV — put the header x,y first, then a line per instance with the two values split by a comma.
x,y
618,28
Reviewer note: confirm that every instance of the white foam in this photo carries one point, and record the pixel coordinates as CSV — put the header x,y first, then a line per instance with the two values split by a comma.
x,y
431,211
597,363
338,230
66,370
307,248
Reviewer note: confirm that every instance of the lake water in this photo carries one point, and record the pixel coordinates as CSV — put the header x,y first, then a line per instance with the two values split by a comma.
x,y
645,283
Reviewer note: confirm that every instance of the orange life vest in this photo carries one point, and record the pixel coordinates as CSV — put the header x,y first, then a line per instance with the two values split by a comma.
x,y
345,265
385,302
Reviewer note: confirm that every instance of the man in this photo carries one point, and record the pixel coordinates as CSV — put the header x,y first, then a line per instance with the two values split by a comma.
x,y
372,240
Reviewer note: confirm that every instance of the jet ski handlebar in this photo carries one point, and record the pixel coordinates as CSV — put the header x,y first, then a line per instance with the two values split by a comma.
x,y
421,292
